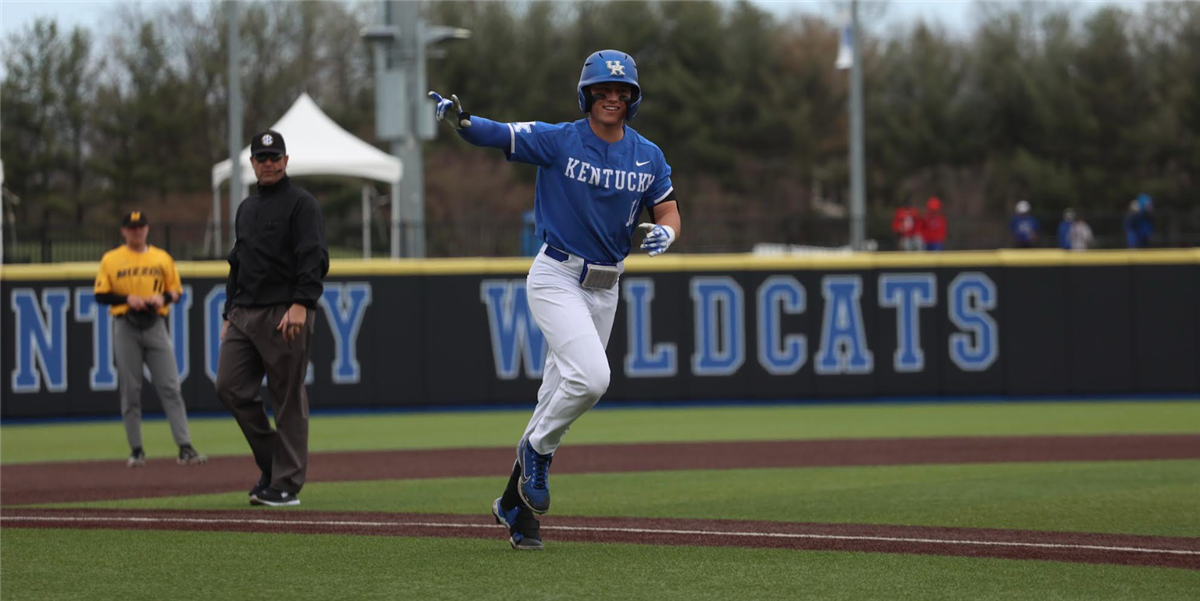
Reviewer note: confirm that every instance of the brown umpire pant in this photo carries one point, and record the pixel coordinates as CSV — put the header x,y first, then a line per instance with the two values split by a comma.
x,y
253,347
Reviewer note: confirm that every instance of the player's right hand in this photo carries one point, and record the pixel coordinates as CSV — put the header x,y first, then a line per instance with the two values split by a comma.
x,y
463,119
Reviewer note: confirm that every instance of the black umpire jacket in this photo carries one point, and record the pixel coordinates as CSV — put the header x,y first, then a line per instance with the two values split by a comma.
x,y
279,256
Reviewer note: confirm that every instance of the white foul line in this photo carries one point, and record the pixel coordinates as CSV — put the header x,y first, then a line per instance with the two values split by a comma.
x,y
890,539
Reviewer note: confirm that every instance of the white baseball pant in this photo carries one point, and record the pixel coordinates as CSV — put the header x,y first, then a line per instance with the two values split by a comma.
x,y
576,322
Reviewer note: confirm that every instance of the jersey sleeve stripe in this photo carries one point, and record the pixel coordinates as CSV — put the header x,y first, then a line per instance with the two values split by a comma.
x,y
512,139
664,196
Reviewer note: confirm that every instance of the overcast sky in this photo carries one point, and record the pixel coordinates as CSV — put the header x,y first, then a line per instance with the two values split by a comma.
x,y
955,15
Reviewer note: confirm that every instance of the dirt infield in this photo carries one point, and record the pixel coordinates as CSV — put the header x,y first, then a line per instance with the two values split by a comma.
x,y
98,480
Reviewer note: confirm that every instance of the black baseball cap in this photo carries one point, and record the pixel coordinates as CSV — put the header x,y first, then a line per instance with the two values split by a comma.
x,y
134,219
268,142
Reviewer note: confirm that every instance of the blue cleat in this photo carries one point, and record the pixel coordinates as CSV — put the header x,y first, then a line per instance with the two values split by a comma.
x,y
523,529
534,486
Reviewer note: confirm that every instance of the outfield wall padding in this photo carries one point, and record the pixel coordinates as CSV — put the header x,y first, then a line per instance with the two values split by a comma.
x,y
440,333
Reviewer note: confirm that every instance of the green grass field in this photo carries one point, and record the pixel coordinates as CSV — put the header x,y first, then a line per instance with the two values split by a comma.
x,y
173,565
1122,497
221,436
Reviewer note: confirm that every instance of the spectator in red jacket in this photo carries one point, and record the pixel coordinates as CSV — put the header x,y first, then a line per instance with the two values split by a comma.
x,y
907,226
933,225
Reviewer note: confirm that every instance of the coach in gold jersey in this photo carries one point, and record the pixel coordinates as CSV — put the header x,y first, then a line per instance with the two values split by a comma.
x,y
140,281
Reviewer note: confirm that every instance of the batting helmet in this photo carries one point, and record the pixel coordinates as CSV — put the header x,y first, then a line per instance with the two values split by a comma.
x,y
609,65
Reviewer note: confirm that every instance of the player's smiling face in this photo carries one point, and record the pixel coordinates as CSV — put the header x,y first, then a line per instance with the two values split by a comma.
x,y
610,110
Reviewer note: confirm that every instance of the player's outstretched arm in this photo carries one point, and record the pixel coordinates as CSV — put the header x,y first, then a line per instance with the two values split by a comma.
x,y
664,230
476,130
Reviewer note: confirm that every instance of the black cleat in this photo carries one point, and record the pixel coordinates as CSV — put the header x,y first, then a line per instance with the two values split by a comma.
x,y
188,455
523,528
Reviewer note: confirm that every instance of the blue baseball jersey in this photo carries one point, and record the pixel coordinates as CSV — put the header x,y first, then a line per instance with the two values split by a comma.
x,y
1024,227
590,193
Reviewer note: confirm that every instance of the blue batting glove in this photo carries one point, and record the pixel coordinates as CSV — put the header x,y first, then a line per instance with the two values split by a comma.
x,y
658,238
443,104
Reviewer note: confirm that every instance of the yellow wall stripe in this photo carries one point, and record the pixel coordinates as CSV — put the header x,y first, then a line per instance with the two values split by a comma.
x,y
685,263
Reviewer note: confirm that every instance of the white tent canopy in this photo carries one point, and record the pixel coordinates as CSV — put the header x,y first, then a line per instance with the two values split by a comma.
x,y
316,145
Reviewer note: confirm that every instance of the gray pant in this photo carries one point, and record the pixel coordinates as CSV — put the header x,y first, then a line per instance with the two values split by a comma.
x,y
253,347
151,347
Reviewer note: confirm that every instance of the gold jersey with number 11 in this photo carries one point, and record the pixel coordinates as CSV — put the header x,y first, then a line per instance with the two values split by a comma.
x,y
124,271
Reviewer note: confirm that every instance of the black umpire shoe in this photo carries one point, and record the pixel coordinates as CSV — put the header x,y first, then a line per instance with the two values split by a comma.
x,y
264,482
274,498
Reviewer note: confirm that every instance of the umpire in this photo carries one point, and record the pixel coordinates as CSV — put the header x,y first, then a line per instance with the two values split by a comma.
x,y
276,268
139,281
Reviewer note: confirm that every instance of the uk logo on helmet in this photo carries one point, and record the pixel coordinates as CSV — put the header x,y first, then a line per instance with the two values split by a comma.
x,y
615,68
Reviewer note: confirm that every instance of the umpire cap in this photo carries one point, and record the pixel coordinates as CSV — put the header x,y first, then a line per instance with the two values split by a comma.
x,y
134,219
268,142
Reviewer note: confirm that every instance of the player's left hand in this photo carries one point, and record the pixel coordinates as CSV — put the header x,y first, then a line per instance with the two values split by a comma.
x,y
293,321
463,119
658,238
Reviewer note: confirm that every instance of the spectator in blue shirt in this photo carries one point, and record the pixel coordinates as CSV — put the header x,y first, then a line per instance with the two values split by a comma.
x,y
1024,226
1064,229
1139,223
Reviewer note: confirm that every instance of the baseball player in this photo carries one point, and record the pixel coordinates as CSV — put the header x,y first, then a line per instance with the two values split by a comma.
x,y
140,281
595,176
1024,226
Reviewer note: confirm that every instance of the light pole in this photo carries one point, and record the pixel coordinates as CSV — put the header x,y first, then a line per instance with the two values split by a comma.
x,y
403,116
235,126
858,204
